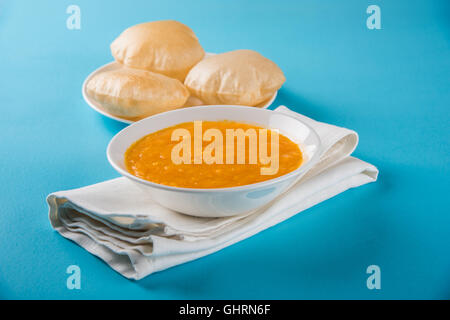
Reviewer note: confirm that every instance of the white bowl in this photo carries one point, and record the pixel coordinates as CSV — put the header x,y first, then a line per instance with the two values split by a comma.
x,y
115,65
219,202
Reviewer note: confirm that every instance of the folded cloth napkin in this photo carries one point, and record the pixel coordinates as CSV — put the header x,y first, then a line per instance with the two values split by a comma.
x,y
117,222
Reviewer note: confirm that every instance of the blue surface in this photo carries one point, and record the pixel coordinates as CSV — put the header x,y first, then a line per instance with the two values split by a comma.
x,y
390,85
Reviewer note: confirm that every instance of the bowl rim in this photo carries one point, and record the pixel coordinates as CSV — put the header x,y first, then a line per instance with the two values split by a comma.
x,y
265,183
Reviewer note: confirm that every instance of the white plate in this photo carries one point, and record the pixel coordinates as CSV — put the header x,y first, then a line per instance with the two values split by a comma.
x,y
114,65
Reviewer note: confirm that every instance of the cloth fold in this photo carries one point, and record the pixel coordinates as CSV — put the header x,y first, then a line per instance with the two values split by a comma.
x,y
117,222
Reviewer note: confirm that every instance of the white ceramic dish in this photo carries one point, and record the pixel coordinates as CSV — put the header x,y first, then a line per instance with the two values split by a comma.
x,y
218,202
114,65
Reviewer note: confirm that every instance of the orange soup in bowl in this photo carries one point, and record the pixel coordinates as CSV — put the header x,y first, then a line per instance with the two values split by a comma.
x,y
212,154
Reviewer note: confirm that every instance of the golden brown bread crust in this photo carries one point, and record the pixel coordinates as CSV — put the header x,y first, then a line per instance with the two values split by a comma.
x,y
241,77
168,47
136,94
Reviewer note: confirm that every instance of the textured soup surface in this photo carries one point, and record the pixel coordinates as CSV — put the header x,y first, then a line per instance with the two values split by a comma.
x,y
149,158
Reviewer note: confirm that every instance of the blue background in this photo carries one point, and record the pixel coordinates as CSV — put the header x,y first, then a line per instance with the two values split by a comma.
x,y
390,85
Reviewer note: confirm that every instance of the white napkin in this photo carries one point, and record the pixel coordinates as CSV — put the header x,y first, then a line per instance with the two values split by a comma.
x,y
117,222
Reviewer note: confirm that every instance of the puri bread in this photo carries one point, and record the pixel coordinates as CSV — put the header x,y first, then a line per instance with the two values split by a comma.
x,y
241,77
168,47
193,102
135,94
